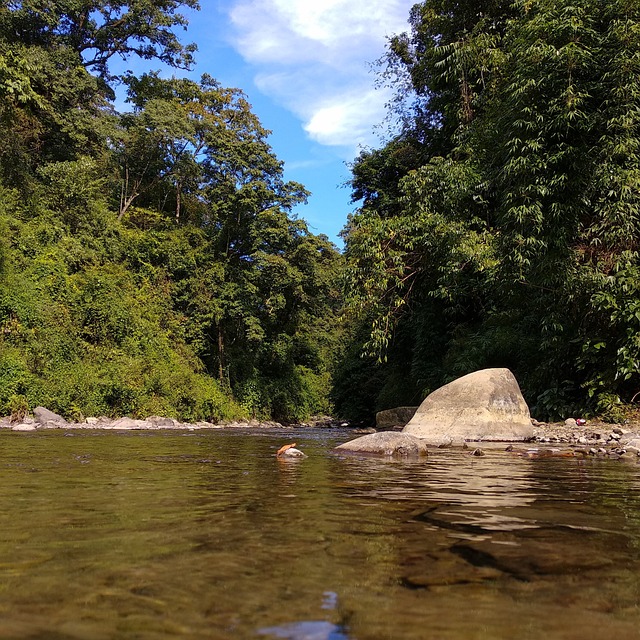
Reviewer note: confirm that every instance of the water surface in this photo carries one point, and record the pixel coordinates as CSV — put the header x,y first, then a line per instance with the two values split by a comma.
x,y
206,534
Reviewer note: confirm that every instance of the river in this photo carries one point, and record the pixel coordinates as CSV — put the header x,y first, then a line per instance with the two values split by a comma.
x,y
206,535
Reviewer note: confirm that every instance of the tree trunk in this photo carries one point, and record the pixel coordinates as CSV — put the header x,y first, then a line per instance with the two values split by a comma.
x,y
220,354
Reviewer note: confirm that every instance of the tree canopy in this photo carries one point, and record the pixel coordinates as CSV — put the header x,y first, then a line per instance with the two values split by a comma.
x,y
150,259
499,227
151,262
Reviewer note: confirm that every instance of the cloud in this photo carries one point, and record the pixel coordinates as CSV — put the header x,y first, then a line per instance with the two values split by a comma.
x,y
314,59
346,118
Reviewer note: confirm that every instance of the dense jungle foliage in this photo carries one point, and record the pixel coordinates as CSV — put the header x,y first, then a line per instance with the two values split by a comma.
x,y
149,260
500,226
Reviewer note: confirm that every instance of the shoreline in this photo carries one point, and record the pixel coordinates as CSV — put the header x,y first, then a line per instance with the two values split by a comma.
x,y
593,439
49,421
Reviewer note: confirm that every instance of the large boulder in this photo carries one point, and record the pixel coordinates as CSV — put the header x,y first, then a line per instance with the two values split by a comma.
x,y
126,423
42,415
385,443
485,405
398,417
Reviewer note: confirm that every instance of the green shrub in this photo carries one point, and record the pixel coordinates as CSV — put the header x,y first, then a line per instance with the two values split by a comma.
x,y
19,407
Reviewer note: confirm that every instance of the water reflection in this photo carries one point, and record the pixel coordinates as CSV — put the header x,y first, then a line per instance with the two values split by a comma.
x,y
209,536
306,631
462,493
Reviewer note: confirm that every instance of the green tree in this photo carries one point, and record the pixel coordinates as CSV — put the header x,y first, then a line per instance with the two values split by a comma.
x,y
520,226
150,261
97,31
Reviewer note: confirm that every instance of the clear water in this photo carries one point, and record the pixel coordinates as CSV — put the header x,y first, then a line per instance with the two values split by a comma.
x,y
207,535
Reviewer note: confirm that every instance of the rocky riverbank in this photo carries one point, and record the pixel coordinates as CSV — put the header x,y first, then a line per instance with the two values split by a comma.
x,y
589,438
42,418
592,438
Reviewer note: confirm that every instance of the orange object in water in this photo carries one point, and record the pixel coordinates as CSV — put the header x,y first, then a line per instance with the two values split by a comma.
x,y
282,449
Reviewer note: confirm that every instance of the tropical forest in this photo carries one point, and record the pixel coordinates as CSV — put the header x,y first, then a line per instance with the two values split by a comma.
x,y
152,260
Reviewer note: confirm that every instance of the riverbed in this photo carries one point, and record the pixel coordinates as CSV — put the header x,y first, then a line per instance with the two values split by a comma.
x,y
205,534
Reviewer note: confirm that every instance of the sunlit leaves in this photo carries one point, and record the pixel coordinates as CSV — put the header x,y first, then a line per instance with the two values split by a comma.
x,y
522,216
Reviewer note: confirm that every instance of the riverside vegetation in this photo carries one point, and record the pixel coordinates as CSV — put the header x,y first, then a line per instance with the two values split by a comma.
x,y
150,263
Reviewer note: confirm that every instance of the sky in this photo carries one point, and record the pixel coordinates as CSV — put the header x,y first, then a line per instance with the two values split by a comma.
x,y
306,68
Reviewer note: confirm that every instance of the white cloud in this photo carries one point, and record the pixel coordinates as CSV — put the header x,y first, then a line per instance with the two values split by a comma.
x,y
346,118
313,56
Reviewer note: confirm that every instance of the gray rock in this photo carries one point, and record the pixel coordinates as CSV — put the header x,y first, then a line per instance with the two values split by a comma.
x,y
92,420
485,405
23,427
160,422
42,415
128,423
292,453
53,424
199,425
570,422
397,417
386,443
633,442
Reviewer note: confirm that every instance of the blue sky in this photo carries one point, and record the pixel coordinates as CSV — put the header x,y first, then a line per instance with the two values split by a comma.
x,y
305,66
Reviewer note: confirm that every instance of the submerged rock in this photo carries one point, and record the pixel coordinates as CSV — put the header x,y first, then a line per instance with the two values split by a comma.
x,y
385,443
485,405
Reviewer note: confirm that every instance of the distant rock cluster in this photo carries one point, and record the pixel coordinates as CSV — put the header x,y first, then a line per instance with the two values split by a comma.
x,y
591,439
43,418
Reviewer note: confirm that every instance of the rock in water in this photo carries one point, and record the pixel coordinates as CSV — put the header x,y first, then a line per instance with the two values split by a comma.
x,y
292,453
23,427
398,417
485,405
385,443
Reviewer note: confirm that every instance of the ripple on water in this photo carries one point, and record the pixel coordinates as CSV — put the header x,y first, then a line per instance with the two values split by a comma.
x,y
156,535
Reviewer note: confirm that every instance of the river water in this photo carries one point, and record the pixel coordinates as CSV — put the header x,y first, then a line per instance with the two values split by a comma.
x,y
205,534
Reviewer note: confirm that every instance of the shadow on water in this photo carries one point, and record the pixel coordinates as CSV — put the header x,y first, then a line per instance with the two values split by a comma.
x,y
207,535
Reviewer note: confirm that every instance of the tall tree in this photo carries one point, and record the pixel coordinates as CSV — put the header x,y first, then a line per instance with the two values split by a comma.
x,y
522,219
97,31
